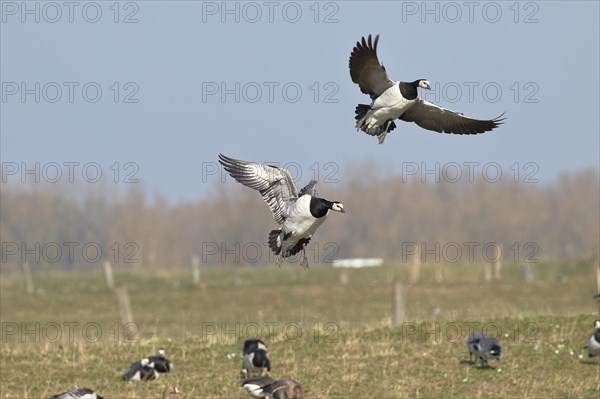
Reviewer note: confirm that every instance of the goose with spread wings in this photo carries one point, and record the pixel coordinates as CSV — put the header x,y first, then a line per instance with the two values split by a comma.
x,y
393,99
298,213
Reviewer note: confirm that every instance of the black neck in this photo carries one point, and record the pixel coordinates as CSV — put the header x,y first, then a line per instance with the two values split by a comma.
x,y
319,207
409,89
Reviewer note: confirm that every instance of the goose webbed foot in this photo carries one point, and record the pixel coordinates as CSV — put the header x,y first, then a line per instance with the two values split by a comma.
x,y
304,262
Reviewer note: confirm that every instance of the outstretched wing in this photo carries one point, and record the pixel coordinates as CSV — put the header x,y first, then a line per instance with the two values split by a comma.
x,y
366,70
433,117
310,189
274,184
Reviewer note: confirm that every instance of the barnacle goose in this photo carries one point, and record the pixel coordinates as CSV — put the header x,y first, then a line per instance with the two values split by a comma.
x,y
161,364
142,370
78,393
256,356
266,387
593,345
298,213
393,99
255,386
483,347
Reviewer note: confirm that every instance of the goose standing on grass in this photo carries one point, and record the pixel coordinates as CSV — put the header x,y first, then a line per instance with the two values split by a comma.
x,y
298,213
393,99
78,393
593,345
161,364
483,347
256,356
141,371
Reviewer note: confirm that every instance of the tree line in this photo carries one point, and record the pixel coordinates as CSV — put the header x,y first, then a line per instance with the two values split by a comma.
x,y
58,226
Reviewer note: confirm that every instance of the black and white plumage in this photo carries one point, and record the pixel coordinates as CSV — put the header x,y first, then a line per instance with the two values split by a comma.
x,y
142,370
593,345
78,393
266,387
255,386
483,347
256,356
299,213
393,99
161,364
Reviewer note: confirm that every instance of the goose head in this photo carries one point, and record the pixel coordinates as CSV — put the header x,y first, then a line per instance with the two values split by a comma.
x,y
424,84
597,324
338,207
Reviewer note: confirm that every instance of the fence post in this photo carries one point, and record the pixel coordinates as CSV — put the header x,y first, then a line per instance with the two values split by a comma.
x,y
497,264
108,275
398,303
529,271
195,270
124,305
416,266
439,273
344,278
28,280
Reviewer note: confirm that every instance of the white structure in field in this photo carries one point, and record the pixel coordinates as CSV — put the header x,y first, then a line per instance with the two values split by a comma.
x,y
358,262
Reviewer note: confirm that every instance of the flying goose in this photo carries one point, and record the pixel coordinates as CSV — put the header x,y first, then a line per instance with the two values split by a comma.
x,y
483,347
298,213
393,99
141,371
266,387
256,356
161,364
78,393
593,345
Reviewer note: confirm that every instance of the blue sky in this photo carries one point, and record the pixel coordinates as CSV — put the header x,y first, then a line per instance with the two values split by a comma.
x,y
159,93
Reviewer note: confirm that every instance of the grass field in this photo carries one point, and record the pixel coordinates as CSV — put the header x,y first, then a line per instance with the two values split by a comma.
x,y
337,340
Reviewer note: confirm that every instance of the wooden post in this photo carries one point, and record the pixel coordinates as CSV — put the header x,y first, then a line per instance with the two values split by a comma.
x,y
598,286
108,275
598,278
497,265
124,305
416,266
487,271
398,303
195,270
529,271
28,280
439,273
344,278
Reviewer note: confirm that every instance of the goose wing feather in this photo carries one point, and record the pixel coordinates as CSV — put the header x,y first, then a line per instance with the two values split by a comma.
x,y
366,70
274,184
433,117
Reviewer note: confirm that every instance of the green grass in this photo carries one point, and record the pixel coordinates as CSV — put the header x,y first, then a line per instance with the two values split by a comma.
x,y
348,347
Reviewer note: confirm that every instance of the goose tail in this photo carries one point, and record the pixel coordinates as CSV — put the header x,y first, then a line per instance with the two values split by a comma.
x,y
362,123
275,241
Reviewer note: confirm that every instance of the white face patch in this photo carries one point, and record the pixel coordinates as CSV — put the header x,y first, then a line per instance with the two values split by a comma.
x,y
424,84
338,207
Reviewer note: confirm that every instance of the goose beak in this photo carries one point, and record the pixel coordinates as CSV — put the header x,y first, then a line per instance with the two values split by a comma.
x,y
343,210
